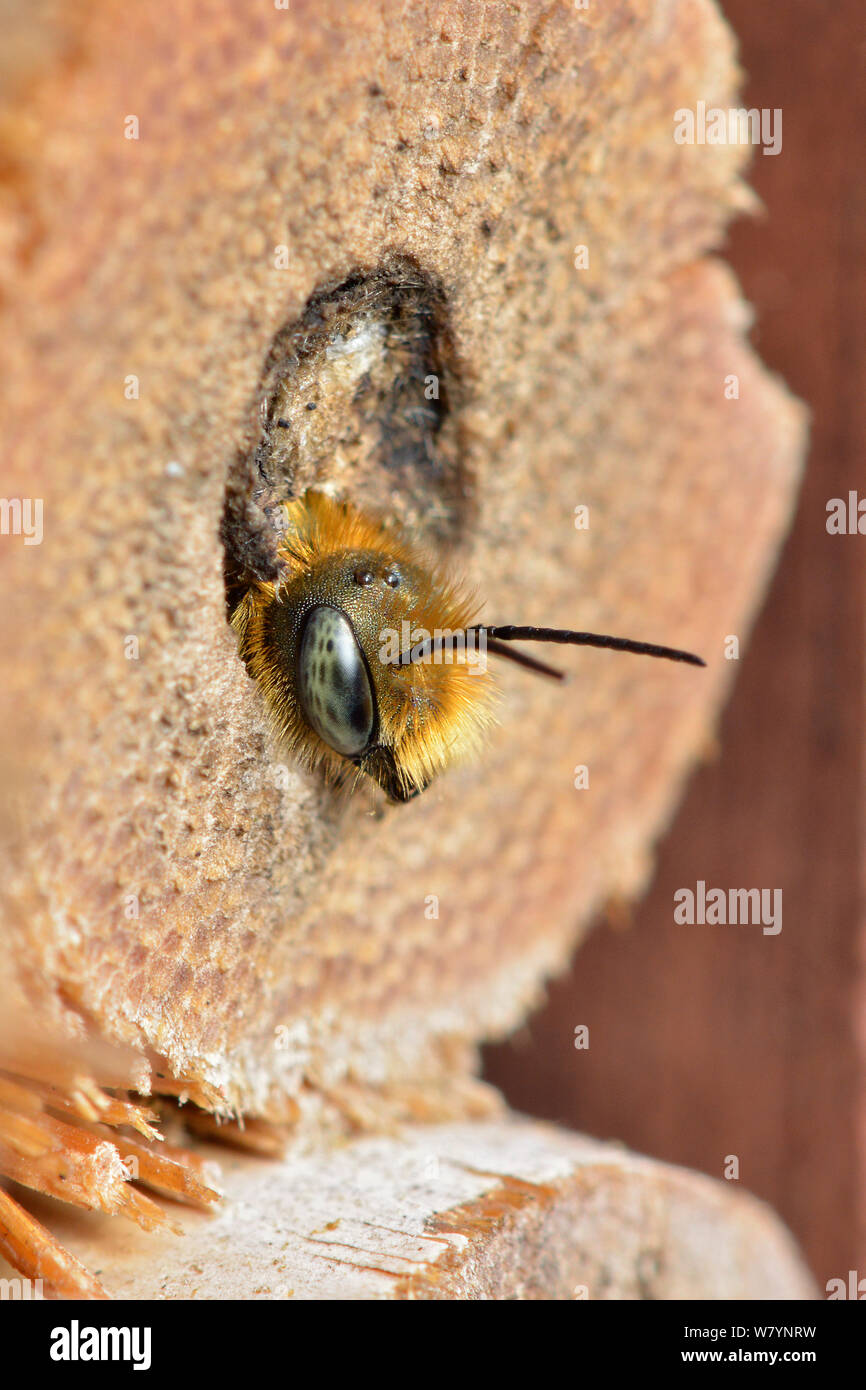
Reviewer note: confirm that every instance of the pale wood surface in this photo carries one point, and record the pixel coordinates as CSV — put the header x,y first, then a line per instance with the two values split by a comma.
x,y
504,1209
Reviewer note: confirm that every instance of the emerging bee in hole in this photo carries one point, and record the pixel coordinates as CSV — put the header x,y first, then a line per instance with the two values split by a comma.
x,y
368,656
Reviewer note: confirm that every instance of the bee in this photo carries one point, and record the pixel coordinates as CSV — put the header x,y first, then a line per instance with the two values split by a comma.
x,y
369,656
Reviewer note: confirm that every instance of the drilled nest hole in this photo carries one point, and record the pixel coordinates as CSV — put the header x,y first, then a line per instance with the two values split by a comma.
x,y
359,394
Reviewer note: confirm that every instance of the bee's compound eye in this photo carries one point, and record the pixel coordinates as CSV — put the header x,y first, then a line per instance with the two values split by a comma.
x,y
333,683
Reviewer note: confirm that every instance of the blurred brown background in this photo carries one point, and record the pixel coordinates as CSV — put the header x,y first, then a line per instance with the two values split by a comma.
x,y
708,1041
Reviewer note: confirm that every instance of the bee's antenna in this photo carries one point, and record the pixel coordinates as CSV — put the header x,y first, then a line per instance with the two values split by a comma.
x,y
496,638
588,639
521,658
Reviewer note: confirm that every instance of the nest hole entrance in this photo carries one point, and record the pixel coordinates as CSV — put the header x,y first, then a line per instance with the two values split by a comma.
x,y
359,394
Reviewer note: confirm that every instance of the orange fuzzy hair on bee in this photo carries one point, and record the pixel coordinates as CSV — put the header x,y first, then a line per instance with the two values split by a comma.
x,y
322,640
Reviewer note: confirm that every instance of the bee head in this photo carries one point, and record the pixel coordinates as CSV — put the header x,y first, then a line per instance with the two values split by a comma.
x,y
366,654
326,645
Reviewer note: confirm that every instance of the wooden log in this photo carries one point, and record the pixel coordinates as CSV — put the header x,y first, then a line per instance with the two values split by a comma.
x,y
174,882
508,1209
335,206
